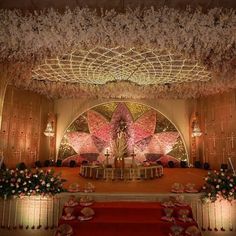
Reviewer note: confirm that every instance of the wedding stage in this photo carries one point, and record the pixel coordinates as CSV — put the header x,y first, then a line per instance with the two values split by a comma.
x,y
44,213
117,118
121,208
160,185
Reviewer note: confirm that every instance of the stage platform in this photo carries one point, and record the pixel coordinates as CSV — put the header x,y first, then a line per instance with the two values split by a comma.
x,y
160,185
36,210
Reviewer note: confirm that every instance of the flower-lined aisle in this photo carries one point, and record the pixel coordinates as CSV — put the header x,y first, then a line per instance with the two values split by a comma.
x,y
127,218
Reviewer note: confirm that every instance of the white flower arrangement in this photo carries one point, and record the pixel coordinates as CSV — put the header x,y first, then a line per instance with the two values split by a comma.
x,y
27,39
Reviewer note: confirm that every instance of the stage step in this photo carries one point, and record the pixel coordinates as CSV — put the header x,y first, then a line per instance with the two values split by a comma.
x,y
126,219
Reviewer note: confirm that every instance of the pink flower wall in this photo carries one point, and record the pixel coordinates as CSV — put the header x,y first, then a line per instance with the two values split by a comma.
x,y
143,134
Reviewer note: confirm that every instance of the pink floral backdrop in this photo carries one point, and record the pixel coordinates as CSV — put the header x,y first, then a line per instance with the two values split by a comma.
x,y
146,132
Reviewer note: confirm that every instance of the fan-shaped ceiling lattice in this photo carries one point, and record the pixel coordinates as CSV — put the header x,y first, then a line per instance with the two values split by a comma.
x,y
102,65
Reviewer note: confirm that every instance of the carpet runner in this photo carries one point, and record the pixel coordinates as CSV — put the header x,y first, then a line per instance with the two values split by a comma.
x,y
125,219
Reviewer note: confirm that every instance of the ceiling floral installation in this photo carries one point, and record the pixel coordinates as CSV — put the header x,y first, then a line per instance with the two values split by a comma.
x,y
145,132
103,65
29,39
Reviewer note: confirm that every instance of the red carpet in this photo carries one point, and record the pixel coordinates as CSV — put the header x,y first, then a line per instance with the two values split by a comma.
x,y
124,219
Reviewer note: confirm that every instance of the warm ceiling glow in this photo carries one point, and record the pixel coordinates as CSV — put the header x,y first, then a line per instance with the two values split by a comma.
x,y
102,65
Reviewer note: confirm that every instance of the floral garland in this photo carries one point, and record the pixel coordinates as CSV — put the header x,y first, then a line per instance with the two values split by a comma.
x,y
28,182
206,37
219,185
128,90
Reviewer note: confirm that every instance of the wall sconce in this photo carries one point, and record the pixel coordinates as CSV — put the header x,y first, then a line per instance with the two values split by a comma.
x,y
196,129
49,131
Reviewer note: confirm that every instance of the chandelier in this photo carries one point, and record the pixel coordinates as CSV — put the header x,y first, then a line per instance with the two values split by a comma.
x,y
196,130
49,132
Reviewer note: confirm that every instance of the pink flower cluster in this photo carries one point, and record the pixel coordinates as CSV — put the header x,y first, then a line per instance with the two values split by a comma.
x,y
220,185
29,182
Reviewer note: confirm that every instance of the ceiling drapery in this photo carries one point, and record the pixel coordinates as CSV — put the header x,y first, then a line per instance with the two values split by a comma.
x,y
208,38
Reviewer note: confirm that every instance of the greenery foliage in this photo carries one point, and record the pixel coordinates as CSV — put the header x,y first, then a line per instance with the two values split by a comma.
x,y
29,182
220,185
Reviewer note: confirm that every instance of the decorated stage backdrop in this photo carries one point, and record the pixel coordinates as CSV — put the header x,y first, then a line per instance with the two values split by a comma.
x,y
122,129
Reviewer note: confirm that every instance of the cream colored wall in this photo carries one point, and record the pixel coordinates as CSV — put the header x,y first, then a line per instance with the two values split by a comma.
x,y
68,110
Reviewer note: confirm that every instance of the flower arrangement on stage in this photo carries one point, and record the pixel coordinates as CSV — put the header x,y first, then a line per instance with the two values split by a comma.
x,y
219,186
29,182
102,131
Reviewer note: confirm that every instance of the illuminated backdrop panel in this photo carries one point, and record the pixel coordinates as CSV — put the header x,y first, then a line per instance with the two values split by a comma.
x,y
135,127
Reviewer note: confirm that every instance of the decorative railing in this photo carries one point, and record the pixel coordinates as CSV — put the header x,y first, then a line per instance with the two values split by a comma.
x,y
44,212
215,216
30,212
131,173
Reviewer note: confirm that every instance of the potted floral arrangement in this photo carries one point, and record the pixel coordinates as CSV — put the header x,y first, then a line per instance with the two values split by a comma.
x,y
219,185
29,182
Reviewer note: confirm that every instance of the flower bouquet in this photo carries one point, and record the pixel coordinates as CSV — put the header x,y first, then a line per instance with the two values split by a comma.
x,y
64,229
168,204
193,231
29,182
184,215
87,214
177,188
74,188
190,188
89,188
72,202
219,185
168,215
86,201
179,201
68,213
176,230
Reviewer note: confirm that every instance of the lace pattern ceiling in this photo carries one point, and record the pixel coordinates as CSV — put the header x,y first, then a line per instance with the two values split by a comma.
x,y
103,65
